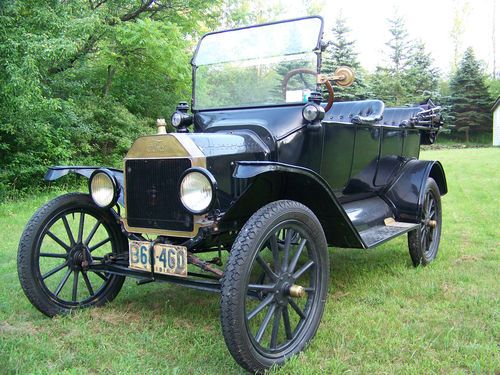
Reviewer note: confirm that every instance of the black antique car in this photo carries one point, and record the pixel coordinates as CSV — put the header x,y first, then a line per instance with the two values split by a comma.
x,y
245,197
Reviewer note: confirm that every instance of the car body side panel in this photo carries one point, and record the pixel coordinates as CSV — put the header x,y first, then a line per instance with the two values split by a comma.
x,y
365,160
270,181
302,148
338,149
391,147
411,143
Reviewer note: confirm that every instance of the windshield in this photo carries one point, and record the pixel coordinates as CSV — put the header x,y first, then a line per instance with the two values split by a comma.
x,y
257,66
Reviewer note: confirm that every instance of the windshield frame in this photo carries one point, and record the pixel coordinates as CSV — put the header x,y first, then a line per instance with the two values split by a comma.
x,y
317,50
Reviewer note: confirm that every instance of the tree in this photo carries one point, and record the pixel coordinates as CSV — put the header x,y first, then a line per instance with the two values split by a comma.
x,y
420,76
461,12
341,51
388,82
470,101
86,75
399,45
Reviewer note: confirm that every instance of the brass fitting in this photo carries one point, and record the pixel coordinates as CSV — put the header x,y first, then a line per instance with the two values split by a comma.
x,y
297,291
161,125
343,76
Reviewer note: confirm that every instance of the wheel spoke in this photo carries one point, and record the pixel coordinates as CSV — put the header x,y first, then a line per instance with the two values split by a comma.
x,y
80,227
58,240
286,252
265,323
273,242
429,236
68,230
295,259
87,283
424,240
104,277
276,327
303,269
296,308
63,282
92,232
261,278
75,286
52,255
261,287
55,270
98,245
264,266
260,307
286,322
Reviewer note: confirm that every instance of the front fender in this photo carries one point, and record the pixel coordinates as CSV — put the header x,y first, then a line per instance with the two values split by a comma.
x,y
56,172
271,181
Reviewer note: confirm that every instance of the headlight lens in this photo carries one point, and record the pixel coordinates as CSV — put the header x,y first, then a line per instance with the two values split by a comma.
x,y
310,112
102,189
196,192
176,119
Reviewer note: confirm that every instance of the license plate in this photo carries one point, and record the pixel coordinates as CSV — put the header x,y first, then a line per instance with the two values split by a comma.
x,y
168,259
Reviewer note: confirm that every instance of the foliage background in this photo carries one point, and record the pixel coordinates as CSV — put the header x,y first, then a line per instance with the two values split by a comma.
x,y
81,79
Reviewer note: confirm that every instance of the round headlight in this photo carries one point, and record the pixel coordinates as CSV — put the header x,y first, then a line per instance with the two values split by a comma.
x,y
103,189
197,191
176,119
310,113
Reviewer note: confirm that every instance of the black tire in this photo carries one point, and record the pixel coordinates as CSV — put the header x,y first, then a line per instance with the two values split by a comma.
x,y
249,287
423,243
50,236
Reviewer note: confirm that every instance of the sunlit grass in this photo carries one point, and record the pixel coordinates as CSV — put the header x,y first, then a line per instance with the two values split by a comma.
x,y
382,315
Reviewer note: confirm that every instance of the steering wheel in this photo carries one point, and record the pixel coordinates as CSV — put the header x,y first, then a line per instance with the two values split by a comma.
x,y
294,72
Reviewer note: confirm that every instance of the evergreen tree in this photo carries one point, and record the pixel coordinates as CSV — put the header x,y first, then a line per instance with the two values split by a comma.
x,y
399,44
389,81
341,52
421,77
470,101
409,76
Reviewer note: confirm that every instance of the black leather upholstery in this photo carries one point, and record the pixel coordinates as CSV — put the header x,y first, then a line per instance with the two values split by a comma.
x,y
362,111
396,116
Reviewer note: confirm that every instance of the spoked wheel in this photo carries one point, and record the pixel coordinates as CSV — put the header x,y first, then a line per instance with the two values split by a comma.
x,y
59,242
274,285
424,242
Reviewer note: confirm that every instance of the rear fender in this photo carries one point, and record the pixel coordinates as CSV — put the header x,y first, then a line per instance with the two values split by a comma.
x,y
406,193
54,173
271,181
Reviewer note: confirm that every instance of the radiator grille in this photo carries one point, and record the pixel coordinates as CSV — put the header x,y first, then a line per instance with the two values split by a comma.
x,y
152,188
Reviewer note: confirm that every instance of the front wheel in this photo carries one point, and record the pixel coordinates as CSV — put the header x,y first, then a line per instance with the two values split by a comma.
x,y
57,244
423,242
274,285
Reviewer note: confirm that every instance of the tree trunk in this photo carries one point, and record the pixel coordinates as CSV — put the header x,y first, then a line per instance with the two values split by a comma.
x,y
109,80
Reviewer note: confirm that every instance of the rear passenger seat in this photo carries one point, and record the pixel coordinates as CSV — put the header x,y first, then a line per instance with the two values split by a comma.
x,y
360,111
396,116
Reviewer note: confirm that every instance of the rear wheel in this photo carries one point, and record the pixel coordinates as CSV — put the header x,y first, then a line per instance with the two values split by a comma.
x,y
274,285
57,244
423,242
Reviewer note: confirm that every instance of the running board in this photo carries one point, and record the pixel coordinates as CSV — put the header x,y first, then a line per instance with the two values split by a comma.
x,y
381,233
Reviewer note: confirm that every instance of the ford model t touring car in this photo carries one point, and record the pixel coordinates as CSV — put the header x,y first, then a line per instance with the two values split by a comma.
x,y
266,172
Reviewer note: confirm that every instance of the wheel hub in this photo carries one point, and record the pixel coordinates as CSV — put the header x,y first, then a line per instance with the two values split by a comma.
x,y
285,287
79,257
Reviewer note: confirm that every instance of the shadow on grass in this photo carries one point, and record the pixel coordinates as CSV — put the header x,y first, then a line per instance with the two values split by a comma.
x,y
349,269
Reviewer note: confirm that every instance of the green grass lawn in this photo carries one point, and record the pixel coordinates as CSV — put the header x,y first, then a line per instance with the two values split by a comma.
x,y
382,315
